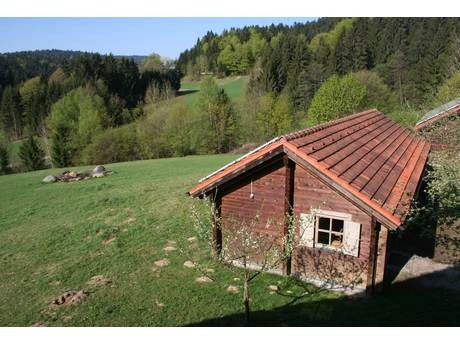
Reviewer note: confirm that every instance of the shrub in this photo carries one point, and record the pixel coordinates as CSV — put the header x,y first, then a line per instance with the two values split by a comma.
x,y
113,145
337,96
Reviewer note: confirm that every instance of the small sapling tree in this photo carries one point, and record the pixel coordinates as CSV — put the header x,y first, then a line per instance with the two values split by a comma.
x,y
242,249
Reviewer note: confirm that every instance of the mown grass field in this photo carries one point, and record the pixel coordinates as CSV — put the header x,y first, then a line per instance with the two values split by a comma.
x,y
55,237
235,87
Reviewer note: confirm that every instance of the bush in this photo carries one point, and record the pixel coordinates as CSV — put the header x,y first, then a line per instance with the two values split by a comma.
x,y
337,96
113,145
32,155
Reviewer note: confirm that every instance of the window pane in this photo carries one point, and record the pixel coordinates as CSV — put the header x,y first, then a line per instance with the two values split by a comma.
x,y
337,225
336,241
323,237
323,223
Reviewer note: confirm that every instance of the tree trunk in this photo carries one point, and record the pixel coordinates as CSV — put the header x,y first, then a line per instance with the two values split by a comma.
x,y
246,298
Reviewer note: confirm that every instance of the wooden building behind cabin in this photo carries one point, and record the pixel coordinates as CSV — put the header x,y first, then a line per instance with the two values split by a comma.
x,y
348,182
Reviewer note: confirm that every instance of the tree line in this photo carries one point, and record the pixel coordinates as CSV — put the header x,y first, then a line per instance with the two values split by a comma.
x,y
81,96
413,56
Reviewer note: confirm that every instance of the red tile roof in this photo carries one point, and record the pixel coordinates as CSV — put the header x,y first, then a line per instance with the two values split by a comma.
x,y
367,157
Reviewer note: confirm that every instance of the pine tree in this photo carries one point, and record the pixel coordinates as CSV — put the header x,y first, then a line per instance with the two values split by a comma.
x,y
11,117
32,155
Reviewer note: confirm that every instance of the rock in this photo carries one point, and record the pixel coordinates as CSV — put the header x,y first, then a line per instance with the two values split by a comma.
x,y
189,264
70,298
99,280
100,169
161,263
273,287
236,279
96,175
203,280
209,270
233,289
49,179
159,304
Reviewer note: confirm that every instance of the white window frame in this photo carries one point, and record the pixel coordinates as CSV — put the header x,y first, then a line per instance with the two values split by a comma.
x,y
331,215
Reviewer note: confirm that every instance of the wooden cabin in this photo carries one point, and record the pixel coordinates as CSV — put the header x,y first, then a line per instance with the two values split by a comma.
x,y
355,176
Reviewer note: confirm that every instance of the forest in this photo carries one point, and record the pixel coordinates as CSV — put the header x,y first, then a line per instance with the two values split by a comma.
x,y
71,108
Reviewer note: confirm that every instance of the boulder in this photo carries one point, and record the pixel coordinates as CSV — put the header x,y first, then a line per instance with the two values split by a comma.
x,y
99,170
49,179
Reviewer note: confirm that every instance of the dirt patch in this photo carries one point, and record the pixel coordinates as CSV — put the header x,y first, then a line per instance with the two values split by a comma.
x,y
70,298
191,239
189,264
54,283
169,248
39,324
128,221
99,280
209,270
233,289
108,241
162,263
66,318
203,280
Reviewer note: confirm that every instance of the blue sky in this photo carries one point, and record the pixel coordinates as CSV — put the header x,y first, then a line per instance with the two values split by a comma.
x,y
120,36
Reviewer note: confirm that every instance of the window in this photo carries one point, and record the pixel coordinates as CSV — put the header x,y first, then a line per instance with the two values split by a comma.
x,y
329,231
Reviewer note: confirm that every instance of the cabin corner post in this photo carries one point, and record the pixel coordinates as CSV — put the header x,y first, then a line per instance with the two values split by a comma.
x,y
382,250
216,199
378,257
372,263
288,206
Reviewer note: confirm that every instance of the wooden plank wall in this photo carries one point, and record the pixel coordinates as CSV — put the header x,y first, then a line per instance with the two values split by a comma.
x,y
268,189
310,192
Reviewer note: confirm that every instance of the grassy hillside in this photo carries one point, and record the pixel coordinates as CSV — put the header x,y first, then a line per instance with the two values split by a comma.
x,y
55,237
235,87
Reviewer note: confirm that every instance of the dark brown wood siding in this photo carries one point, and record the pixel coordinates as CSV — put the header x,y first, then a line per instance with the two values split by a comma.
x,y
268,189
310,192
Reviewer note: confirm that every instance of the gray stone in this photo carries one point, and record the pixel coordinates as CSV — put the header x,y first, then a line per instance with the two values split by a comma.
x,y
99,169
98,174
49,179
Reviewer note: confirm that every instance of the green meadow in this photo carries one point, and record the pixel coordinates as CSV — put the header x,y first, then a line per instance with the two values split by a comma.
x,y
55,237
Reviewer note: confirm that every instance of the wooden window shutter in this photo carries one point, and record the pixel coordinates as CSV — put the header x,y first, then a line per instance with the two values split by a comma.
x,y
307,229
351,236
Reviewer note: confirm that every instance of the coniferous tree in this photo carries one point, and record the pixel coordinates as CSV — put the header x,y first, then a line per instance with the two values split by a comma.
x,y
11,117
32,155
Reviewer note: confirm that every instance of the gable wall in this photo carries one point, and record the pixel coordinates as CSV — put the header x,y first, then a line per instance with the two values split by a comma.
x,y
268,188
310,192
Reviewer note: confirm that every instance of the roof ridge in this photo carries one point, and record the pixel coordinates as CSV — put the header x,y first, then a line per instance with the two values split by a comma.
x,y
321,126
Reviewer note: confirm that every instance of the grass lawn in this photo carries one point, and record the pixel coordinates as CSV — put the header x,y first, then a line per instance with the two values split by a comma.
x,y
55,237
235,87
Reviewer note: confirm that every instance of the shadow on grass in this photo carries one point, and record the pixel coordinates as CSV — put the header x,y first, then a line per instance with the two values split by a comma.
x,y
404,304
186,92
